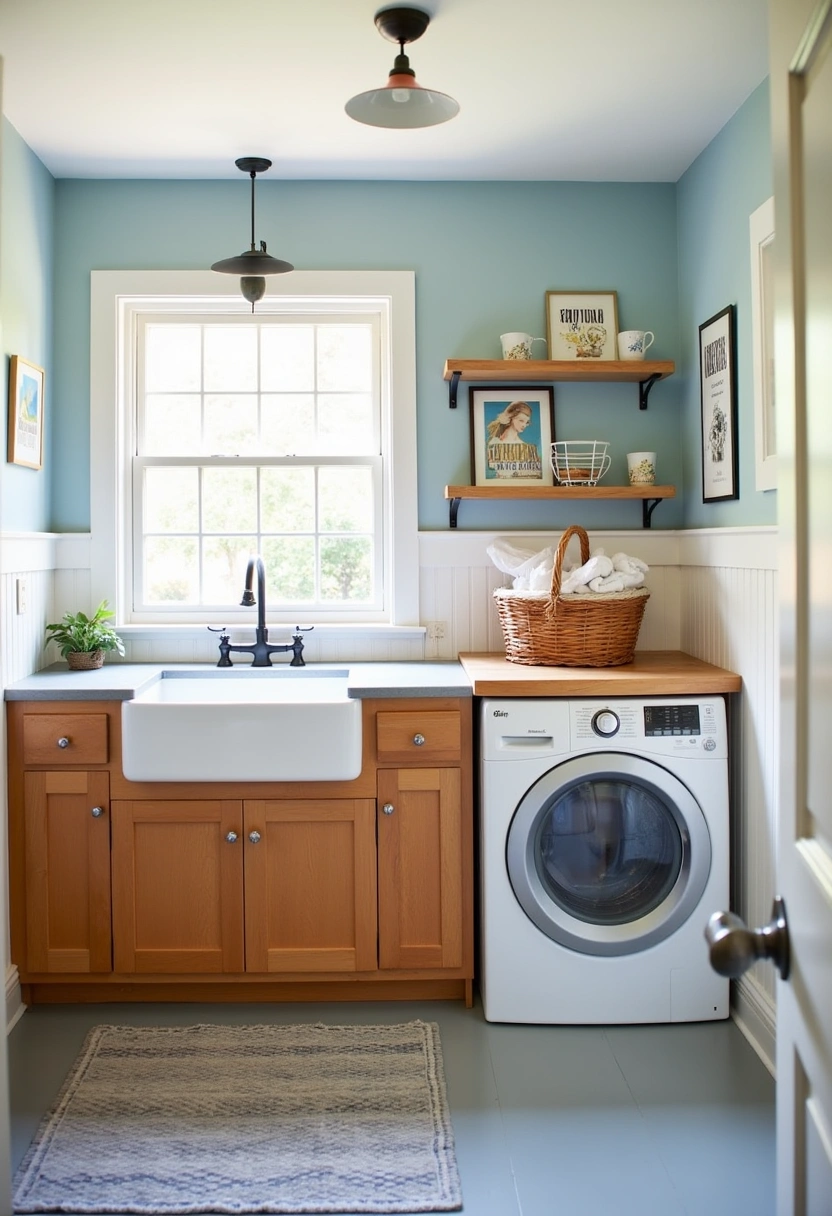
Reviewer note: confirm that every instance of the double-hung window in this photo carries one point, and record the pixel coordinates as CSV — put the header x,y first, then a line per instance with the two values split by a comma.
x,y
289,433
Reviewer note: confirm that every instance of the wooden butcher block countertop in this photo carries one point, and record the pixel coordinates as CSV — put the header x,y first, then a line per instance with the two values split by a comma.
x,y
652,673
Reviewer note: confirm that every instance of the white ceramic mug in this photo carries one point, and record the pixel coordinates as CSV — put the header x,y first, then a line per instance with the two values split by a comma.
x,y
641,468
633,343
518,346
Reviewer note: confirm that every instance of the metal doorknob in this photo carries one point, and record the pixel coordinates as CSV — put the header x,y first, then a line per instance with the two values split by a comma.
x,y
97,812
231,837
734,947
254,837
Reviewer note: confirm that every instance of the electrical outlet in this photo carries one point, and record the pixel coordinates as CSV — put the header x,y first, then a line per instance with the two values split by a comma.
x,y
22,590
436,630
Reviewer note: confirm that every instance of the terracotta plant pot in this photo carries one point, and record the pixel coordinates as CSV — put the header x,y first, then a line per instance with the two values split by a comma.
x,y
85,660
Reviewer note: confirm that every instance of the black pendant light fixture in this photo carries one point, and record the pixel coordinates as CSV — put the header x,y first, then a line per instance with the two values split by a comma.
x,y
254,263
402,102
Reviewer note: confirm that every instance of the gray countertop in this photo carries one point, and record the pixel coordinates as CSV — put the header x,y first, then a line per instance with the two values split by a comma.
x,y
122,681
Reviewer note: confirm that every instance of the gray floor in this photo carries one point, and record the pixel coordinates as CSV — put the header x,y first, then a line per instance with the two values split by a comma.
x,y
549,1121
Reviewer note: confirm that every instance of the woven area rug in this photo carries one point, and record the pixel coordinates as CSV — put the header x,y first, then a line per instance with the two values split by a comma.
x,y
308,1118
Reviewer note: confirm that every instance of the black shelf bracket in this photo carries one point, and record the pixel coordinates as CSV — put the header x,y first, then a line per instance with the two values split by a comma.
x,y
452,387
644,387
648,506
453,511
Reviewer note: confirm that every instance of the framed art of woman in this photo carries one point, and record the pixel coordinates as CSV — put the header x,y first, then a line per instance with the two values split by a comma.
x,y
511,435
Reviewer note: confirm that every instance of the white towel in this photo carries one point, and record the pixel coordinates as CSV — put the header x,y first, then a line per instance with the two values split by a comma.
x,y
598,566
603,586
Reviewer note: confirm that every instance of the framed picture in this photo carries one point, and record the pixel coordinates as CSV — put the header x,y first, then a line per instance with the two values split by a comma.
x,y
26,385
512,430
582,324
761,227
717,372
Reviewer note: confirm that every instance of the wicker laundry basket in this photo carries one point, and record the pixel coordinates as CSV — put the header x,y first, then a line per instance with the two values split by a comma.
x,y
548,629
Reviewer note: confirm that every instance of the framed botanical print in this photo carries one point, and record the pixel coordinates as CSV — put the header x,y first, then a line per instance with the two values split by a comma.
x,y
582,324
512,431
718,380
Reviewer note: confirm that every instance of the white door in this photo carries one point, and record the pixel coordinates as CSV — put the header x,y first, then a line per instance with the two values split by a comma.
x,y
801,84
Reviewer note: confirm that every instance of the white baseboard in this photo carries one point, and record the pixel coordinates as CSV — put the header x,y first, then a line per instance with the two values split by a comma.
x,y
15,1008
756,1016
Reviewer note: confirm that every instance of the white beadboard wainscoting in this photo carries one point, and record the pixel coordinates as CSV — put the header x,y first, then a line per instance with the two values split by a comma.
x,y
713,593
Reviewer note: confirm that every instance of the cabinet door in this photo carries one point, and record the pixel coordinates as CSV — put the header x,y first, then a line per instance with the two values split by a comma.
x,y
310,877
420,872
67,849
178,886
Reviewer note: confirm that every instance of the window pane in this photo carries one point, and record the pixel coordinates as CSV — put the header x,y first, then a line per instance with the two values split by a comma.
x,y
287,358
230,358
290,569
288,425
172,425
170,500
231,426
171,572
345,424
346,569
344,358
229,500
224,561
287,500
172,359
345,499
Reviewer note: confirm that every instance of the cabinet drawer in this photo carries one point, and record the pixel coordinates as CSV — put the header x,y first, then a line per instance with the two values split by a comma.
x,y
65,739
418,735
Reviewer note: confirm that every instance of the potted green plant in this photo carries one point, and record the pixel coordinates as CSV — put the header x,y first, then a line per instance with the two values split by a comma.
x,y
83,639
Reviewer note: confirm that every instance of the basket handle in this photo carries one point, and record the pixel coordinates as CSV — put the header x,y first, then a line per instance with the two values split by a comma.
x,y
575,530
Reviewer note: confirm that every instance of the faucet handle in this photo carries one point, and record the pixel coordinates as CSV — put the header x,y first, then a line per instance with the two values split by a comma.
x,y
222,630
303,629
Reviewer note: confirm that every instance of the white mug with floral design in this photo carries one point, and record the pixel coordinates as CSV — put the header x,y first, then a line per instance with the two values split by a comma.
x,y
518,346
633,343
641,467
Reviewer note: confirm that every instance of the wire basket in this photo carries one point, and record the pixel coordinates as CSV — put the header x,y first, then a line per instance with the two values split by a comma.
x,y
546,629
580,462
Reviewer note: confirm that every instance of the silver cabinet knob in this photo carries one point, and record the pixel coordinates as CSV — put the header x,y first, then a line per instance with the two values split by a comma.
x,y
254,837
63,741
388,808
97,812
231,837
734,947
418,740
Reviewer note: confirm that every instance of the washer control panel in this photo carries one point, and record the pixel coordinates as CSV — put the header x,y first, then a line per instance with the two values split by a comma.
x,y
681,726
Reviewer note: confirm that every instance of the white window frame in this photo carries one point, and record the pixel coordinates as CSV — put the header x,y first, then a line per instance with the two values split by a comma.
x,y
118,297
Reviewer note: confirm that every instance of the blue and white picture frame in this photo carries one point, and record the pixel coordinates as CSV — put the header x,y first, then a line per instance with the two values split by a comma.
x,y
26,389
512,431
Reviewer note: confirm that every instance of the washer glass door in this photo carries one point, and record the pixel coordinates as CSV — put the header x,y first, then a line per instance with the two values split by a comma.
x,y
608,853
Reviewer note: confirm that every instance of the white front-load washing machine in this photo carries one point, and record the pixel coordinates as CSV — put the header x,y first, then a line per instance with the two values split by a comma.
x,y
604,837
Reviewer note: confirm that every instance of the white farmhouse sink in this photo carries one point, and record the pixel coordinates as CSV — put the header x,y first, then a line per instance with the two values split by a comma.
x,y
264,725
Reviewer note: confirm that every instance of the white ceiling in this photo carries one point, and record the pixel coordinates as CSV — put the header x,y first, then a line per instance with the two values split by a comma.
x,y
581,90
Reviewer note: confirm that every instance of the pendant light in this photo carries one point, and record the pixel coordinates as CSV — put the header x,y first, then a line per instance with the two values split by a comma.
x,y
402,102
254,263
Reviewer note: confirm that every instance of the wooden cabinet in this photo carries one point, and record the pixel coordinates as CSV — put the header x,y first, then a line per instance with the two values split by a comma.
x,y
178,886
67,872
242,891
310,875
421,877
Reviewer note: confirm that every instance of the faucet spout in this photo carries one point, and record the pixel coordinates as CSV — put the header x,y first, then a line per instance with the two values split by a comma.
x,y
248,600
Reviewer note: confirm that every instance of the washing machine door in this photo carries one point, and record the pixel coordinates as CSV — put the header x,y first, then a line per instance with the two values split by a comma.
x,y
608,853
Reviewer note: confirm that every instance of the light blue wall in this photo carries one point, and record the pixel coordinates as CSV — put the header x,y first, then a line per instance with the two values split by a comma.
x,y
484,254
26,269
716,197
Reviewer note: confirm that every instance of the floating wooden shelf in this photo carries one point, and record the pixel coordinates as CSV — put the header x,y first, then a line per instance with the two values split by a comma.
x,y
645,372
650,496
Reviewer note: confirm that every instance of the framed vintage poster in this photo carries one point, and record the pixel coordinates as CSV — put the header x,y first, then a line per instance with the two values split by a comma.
x,y
26,385
582,324
717,373
512,431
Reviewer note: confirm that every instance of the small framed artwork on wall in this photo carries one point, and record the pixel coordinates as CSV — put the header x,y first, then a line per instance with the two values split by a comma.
x,y
582,324
26,385
718,388
512,430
